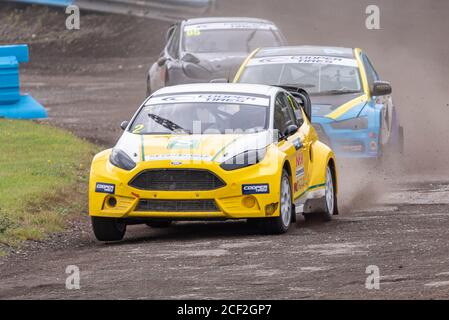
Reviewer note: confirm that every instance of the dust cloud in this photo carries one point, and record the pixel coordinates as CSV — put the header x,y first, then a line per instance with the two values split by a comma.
x,y
410,50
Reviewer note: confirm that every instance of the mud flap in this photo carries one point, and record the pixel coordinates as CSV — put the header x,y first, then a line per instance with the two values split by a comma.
x,y
315,205
293,213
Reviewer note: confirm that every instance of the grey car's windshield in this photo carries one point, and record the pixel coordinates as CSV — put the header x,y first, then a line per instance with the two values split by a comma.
x,y
228,40
316,78
200,118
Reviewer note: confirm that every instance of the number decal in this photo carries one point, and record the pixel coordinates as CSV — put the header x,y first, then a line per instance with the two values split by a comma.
x,y
193,32
138,128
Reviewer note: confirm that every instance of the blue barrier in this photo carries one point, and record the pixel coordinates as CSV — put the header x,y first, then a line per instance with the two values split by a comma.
x,y
63,3
14,105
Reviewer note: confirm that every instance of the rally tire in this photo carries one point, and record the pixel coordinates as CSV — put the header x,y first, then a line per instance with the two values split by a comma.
x,y
159,224
401,140
330,196
281,223
330,200
108,229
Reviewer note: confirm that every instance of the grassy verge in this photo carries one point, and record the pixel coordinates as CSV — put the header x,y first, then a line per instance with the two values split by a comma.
x,y
43,179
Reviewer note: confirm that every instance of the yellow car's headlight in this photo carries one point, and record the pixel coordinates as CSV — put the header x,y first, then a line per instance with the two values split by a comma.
x,y
244,159
121,160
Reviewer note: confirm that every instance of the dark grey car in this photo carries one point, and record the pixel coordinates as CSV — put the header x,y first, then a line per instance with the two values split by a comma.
x,y
203,49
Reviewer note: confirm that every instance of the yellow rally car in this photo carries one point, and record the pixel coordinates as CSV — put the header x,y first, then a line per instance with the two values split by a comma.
x,y
214,152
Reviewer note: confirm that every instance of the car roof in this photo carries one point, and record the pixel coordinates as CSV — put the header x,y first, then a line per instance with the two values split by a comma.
x,y
235,88
225,19
306,50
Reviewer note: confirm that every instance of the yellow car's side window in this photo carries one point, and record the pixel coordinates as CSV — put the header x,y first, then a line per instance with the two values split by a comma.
x,y
297,110
294,106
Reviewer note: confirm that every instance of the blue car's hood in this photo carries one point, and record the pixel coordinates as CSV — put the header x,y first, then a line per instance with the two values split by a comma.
x,y
324,105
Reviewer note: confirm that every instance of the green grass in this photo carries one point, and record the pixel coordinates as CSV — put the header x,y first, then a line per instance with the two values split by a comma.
x,y
43,180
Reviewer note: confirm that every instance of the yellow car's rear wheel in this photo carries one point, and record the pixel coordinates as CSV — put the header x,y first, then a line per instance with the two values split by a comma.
x,y
329,195
329,201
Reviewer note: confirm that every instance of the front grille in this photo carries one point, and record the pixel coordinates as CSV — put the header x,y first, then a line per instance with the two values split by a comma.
x,y
203,205
176,180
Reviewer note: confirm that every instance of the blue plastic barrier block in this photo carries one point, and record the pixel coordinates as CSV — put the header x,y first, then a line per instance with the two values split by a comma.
x,y
61,3
13,105
20,51
25,108
9,80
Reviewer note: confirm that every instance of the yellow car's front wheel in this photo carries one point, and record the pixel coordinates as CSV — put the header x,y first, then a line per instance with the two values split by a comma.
x,y
282,223
108,229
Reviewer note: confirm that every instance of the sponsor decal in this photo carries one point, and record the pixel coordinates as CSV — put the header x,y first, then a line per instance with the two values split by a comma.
x,y
210,98
105,188
353,147
299,160
300,172
178,157
255,188
326,60
195,28
182,143
298,144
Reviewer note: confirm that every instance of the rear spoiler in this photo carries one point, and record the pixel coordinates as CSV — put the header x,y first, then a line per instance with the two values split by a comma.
x,y
302,97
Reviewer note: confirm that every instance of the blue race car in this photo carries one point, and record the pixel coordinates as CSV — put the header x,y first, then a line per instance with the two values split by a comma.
x,y
352,109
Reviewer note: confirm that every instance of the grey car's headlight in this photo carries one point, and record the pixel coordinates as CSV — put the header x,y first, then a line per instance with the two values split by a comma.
x,y
244,159
351,124
121,160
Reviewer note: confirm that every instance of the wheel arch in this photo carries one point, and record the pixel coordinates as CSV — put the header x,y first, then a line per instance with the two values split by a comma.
x,y
333,167
287,167
322,156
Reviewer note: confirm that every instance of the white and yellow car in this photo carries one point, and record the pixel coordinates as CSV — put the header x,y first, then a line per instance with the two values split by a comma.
x,y
213,152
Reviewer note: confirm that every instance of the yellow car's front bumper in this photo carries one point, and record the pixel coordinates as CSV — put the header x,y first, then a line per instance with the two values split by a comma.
x,y
120,200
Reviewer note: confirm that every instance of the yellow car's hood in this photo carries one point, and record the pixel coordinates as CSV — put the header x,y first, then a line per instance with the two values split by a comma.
x,y
203,147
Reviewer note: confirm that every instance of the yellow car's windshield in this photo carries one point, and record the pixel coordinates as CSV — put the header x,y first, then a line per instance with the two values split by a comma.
x,y
197,117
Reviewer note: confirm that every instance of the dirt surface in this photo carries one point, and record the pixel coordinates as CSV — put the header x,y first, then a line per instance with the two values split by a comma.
x,y
94,78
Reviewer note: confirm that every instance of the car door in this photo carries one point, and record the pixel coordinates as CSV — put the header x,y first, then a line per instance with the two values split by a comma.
x,y
293,145
168,60
386,102
303,159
